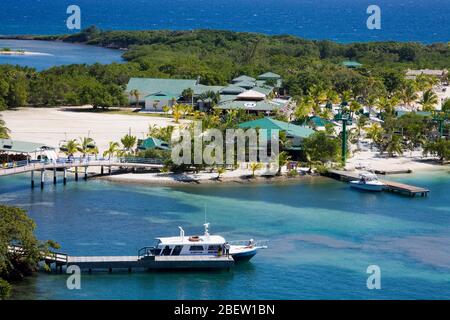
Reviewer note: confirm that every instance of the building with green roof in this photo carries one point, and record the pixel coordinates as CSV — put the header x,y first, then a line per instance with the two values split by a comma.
x,y
243,78
271,77
294,133
152,144
156,93
351,64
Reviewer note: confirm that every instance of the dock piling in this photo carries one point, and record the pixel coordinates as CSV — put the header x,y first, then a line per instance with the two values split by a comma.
x,y
85,174
76,173
42,178
32,179
54,175
65,176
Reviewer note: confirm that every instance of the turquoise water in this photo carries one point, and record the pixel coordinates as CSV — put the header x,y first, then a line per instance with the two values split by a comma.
x,y
56,54
322,235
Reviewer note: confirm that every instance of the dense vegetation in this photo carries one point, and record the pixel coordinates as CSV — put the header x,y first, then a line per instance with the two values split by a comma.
x,y
217,57
16,228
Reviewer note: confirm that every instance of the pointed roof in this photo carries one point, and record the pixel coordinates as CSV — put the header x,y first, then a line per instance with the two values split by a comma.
x,y
245,84
8,145
251,94
152,143
232,89
270,123
243,78
269,75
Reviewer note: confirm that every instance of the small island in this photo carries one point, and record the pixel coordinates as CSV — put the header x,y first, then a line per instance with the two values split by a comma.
x,y
20,52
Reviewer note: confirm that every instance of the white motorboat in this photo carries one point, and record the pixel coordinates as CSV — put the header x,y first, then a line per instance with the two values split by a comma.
x,y
204,245
368,181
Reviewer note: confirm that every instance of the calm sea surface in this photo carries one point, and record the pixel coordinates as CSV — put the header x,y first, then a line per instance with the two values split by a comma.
x,y
322,234
56,53
340,20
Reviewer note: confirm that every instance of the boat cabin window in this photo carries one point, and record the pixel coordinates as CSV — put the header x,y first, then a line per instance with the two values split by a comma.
x,y
166,251
196,248
177,250
213,248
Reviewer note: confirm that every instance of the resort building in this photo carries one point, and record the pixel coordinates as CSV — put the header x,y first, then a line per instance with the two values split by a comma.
x,y
15,150
152,144
294,133
154,94
244,92
351,64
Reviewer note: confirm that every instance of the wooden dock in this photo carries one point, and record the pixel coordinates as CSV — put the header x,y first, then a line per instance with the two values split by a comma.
x,y
390,186
130,263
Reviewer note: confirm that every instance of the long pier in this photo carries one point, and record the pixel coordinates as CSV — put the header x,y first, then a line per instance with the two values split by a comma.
x,y
64,164
141,262
390,186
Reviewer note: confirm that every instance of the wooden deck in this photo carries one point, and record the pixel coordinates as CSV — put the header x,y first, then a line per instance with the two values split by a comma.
x,y
391,186
129,263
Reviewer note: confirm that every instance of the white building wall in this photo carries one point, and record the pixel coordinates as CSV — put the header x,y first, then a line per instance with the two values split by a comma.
x,y
157,105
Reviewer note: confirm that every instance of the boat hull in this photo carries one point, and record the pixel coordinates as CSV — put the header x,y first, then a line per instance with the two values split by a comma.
x,y
367,186
243,253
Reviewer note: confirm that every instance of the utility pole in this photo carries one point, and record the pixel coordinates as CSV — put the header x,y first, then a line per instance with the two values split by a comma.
x,y
346,118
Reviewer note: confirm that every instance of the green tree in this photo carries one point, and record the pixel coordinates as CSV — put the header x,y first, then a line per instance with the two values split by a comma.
x,y
439,148
112,150
319,147
16,228
429,100
129,142
255,166
86,146
4,131
71,147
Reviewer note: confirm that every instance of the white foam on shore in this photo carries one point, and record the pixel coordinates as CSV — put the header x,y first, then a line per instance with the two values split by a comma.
x,y
24,53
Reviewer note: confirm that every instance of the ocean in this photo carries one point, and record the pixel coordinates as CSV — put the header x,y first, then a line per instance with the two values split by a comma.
x,y
339,20
322,238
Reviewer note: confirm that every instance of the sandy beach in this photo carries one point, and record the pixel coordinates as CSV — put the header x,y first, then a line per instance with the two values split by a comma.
x,y
53,125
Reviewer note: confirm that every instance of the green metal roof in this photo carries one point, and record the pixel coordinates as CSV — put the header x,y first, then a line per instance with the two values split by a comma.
x,y
245,84
200,89
318,121
152,143
150,86
243,78
269,75
8,145
232,89
265,89
351,64
269,123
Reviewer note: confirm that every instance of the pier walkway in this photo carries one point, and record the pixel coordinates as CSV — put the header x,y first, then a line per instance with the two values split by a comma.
x,y
63,164
390,186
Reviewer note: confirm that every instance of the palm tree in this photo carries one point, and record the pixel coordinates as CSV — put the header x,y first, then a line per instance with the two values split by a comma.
x,y
71,147
394,145
128,141
188,96
408,94
283,159
166,109
255,166
136,95
220,171
375,132
4,131
429,100
177,111
112,150
86,146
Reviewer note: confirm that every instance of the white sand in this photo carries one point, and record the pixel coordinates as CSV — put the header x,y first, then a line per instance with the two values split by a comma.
x,y
408,161
53,125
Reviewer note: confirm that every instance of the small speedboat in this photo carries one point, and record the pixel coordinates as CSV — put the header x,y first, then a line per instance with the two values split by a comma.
x,y
204,245
368,181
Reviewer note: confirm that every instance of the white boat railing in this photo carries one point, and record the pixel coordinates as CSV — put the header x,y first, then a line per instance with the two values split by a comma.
x,y
255,243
